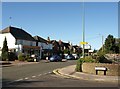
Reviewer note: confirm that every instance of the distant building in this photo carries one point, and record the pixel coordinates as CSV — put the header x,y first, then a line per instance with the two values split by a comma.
x,y
59,46
77,49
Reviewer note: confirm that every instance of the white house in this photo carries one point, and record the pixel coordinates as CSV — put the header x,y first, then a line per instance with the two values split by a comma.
x,y
19,40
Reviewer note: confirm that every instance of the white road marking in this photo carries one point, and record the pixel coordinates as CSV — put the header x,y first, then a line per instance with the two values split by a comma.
x,y
49,72
26,78
33,76
39,74
45,73
18,80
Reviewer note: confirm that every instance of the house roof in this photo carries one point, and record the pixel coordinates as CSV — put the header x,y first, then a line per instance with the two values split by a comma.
x,y
40,39
66,44
54,42
18,33
75,46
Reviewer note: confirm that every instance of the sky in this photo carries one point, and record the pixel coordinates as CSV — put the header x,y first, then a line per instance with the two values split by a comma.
x,y
63,20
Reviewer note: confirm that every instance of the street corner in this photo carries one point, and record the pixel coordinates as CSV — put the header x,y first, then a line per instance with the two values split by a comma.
x,y
67,73
57,72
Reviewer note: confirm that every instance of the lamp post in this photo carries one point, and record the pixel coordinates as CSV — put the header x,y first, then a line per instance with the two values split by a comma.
x,y
83,28
102,42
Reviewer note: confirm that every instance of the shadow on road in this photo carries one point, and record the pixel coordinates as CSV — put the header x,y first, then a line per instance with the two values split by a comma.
x,y
8,83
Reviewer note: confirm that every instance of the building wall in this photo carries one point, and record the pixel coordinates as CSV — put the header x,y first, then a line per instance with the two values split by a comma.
x,y
44,45
10,40
26,42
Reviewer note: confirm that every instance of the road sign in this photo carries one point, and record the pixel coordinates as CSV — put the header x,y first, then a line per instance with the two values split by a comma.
x,y
83,42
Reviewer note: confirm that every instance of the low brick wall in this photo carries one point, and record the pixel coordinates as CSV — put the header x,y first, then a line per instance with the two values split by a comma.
x,y
112,69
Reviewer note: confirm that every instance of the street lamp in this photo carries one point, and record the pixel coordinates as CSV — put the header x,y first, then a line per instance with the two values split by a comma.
x,y
83,28
102,42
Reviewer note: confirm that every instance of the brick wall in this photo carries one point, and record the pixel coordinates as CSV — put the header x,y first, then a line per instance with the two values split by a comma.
x,y
112,69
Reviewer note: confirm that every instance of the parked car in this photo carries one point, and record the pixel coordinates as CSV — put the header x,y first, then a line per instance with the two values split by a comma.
x,y
55,58
76,56
70,57
35,57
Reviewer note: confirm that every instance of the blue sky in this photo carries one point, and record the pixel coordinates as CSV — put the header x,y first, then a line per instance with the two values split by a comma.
x,y
63,21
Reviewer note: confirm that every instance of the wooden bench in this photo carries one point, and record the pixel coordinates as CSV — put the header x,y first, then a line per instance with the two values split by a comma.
x,y
101,69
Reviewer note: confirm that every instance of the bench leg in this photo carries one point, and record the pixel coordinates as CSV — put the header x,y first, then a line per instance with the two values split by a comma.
x,y
96,72
104,72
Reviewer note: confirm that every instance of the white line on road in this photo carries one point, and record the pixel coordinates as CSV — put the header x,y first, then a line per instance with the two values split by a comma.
x,y
39,74
18,80
49,72
26,78
33,76
45,73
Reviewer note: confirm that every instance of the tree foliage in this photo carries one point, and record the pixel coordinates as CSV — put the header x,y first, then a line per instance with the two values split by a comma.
x,y
5,50
112,45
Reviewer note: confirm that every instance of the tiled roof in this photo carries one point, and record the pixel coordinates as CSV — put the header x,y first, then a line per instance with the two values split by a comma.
x,y
66,44
40,39
18,33
54,42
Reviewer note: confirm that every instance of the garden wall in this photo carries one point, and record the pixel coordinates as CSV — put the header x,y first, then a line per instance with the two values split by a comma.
x,y
112,69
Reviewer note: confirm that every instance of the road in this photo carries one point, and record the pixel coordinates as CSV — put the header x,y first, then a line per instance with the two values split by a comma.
x,y
40,75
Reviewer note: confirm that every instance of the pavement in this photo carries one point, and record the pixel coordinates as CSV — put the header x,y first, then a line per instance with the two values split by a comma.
x,y
69,72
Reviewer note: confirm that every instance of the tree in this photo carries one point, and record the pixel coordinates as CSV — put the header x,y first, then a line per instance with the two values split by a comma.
x,y
110,44
5,50
118,44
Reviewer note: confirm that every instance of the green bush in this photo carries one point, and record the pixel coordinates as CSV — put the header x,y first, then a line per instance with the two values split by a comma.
x,y
27,57
21,57
30,60
88,59
12,56
4,56
102,59
79,65
0,58
81,61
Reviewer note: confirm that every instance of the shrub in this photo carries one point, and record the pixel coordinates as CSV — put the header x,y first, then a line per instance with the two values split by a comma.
x,y
88,59
66,51
102,59
30,60
5,56
12,56
0,58
27,57
81,61
79,65
21,57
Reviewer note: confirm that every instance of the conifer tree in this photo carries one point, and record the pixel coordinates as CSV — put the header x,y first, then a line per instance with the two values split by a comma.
x,y
5,50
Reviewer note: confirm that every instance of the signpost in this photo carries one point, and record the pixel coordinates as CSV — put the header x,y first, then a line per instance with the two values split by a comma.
x,y
83,43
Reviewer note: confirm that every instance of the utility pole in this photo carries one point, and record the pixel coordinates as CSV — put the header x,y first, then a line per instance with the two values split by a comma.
x,y
10,20
102,44
83,28
102,37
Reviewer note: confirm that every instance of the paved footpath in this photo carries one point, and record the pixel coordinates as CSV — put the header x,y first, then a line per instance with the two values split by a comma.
x,y
69,71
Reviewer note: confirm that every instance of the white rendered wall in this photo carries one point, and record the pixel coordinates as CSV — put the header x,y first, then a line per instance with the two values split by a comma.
x,y
25,42
10,40
44,45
